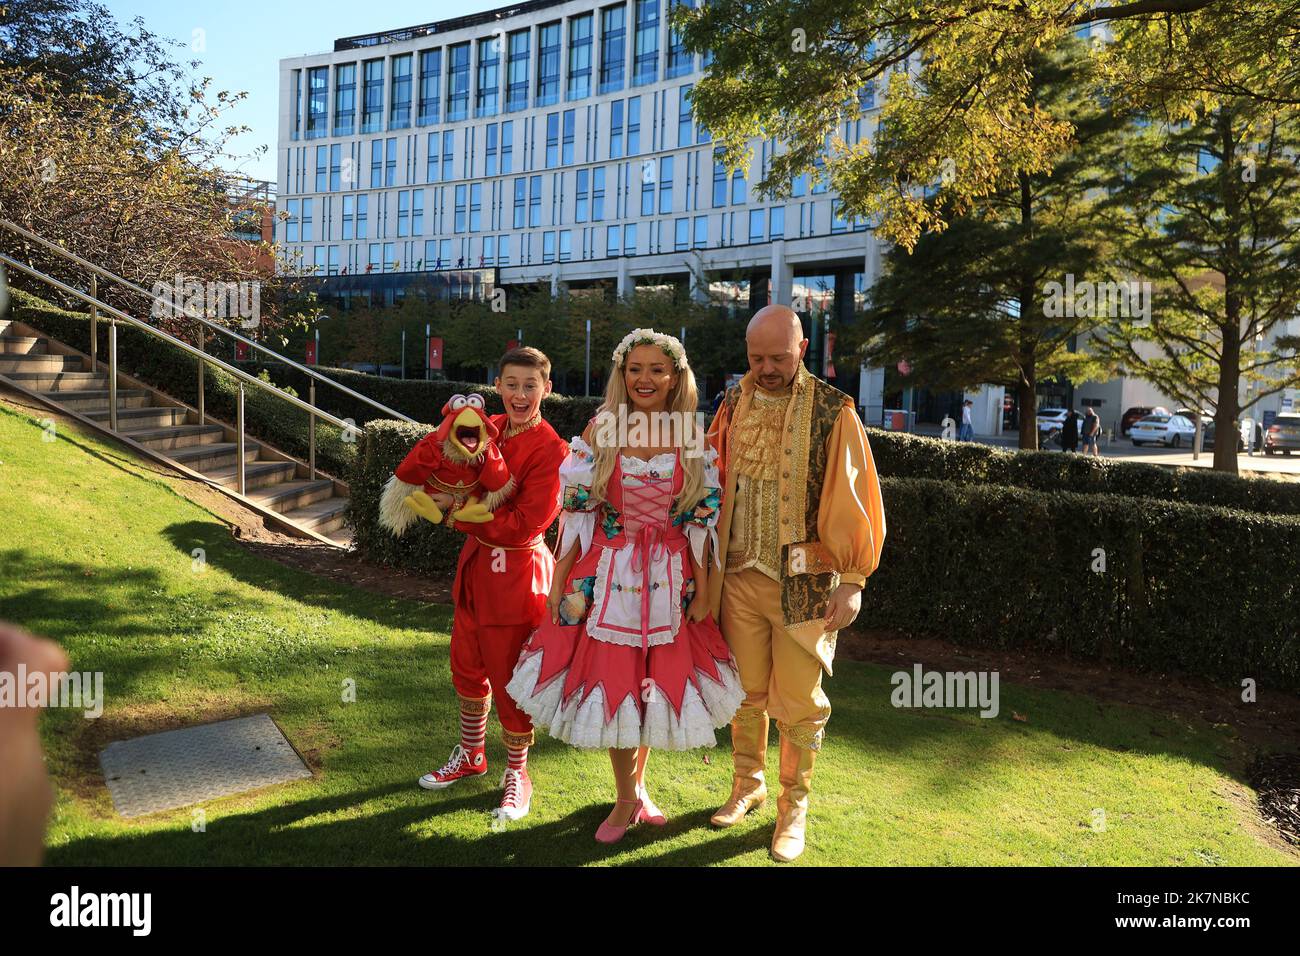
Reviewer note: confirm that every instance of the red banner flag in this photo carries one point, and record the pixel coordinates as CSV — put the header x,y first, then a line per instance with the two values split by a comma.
x,y
311,352
830,359
241,351
435,354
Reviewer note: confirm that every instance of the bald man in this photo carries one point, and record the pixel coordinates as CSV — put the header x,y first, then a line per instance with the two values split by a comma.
x,y
801,529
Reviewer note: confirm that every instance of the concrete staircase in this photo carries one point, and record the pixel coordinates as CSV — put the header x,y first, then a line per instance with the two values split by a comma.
x,y
275,484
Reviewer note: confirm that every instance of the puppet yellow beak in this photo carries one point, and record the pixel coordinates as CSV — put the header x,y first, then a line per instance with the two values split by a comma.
x,y
468,433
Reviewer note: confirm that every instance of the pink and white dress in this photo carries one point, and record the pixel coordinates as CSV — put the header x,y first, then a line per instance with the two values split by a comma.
x,y
624,667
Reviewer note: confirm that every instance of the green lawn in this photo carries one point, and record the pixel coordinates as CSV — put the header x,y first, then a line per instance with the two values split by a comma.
x,y
97,553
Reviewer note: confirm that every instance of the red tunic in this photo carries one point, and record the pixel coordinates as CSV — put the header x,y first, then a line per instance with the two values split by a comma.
x,y
509,586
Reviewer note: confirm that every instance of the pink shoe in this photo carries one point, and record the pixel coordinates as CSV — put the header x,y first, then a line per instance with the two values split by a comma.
x,y
649,813
608,833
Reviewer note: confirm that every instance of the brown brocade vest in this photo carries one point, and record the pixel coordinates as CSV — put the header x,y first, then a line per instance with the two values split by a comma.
x,y
808,576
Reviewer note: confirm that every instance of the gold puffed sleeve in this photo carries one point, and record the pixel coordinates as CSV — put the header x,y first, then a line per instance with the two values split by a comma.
x,y
851,514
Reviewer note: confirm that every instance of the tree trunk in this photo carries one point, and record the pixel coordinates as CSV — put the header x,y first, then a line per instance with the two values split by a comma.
x,y
1225,416
1027,387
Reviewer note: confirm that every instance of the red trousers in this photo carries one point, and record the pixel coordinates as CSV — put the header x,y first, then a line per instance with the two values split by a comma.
x,y
483,657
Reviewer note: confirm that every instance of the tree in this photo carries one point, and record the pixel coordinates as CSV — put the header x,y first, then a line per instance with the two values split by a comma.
x,y
1209,212
956,78
970,304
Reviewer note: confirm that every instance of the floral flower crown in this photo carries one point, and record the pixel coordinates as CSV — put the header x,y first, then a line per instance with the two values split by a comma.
x,y
672,347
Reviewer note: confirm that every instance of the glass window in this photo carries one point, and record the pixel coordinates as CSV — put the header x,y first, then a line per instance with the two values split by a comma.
x,y
489,252
373,261
349,214
738,187
598,194
507,146
680,61
719,181
487,95
579,84
318,102
376,163
345,99
336,167
613,238
583,196
777,228
566,245
566,153
757,225
633,125
535,201
799,186
322,169
334,261
616,129
701,238
552,140
517,70
548,64
372,103
448,154
665,185
403,214
417,212
684,134
430,260
648,188
629,239
363,205
297,103
613,47
306,220
503,250
292,225
838,222
390,257
399,107
475,206
390,162
430,80
521,197
548,247
432,164
318,261
646,64
490,152
457,82
461,195
681,234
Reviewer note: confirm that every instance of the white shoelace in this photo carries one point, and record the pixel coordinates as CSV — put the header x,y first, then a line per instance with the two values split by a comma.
x,y
458,757
513,780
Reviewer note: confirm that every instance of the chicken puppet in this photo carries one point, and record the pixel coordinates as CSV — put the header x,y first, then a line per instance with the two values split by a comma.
x,y
460,458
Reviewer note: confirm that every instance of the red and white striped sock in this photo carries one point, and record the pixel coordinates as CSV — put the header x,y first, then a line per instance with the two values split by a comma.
x,y
473,726
517,757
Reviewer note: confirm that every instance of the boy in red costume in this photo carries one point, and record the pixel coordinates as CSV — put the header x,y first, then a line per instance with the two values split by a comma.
x,y
502,579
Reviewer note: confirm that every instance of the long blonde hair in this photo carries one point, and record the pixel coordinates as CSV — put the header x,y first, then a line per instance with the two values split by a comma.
x,y
683,403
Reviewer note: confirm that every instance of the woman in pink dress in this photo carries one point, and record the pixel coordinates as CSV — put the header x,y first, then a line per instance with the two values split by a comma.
x,y
630,658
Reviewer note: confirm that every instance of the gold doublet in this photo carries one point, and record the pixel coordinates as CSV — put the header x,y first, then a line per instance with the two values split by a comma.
x,y
757,442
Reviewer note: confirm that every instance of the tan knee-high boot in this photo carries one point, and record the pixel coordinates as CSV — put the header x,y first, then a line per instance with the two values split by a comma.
x,y
749,758
792,806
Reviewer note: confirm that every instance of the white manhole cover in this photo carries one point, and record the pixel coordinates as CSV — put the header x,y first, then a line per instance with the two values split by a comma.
x,y
177,768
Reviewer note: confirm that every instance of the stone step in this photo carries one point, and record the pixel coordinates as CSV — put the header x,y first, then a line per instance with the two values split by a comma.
x,y
38,363
150,417
258,474
297,493
204,458
52,381
322,516
98,398
23,345
165,437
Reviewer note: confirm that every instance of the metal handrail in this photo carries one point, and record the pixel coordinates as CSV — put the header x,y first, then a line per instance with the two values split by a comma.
x,y
221,329
115,315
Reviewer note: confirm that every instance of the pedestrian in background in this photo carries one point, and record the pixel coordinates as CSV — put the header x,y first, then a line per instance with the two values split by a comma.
x,y
1091,432
967,432
1070,432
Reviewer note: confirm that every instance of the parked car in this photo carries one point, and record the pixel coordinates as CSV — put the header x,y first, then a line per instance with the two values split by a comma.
x,y
1050,419
1207,434
1171,430
1138,411
1283,435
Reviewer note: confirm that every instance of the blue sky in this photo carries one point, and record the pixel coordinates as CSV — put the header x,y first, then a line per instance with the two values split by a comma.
x,y
244,42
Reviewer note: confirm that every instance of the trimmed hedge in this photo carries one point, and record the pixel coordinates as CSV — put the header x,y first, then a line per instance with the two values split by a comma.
x,y
1197,588
901,455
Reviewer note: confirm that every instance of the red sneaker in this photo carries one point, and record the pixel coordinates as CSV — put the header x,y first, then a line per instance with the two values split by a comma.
x,y
461,764
517,797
